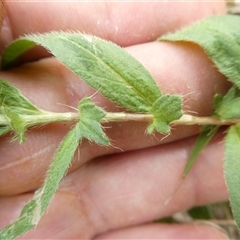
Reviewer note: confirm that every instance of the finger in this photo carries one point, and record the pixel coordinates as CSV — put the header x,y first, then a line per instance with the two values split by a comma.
x,y
2,10
50,85
123,23
140,186
164,231
119,191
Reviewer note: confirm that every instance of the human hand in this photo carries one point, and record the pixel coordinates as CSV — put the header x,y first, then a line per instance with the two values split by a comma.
x,y
118,195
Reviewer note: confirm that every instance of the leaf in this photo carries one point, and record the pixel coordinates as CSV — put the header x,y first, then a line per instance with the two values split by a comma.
x,y
228,106
201,212
12,98
203,139
232,169
33,210
90,127
103,65
4,130
17,49
12,105
165,110
16,122
219,36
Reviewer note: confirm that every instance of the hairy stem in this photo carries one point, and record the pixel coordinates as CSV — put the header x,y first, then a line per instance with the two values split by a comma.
x,y
50,117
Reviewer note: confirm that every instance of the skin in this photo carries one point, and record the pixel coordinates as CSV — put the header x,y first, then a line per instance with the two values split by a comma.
x,y
115,196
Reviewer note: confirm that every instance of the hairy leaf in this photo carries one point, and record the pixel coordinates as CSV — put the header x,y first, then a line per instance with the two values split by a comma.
x,y
228,106
90,127
232,169
4,130
33,211
219,36
12,98
16,123
103,65
203,139
165,110
17,48
12,104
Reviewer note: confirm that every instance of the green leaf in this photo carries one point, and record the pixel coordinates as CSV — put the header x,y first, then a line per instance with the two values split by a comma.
x,y
4,130
201,212
12,105
33,211
17,124
228,106
12,98
232,169
17,49
103,65
219,36
90,127
165,110
203,139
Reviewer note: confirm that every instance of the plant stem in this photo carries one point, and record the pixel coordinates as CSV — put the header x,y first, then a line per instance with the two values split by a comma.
x,y
184,120
50,117
193,120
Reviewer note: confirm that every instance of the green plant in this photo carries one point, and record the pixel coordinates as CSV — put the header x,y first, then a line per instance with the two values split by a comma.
x,y
104,66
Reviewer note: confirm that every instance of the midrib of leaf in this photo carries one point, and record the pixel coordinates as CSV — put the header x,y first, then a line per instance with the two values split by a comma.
x,y
111,69
142,103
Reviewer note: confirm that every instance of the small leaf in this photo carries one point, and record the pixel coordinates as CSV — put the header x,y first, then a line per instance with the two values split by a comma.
x,y
165,110
103,65
90,127
232,169
12,98
203,139
228,106
12,105
16,122
219,36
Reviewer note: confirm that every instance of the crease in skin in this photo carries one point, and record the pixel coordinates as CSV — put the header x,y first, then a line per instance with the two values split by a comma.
x,y
86,206
137,204
89,207
100,220
126,195
26,158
